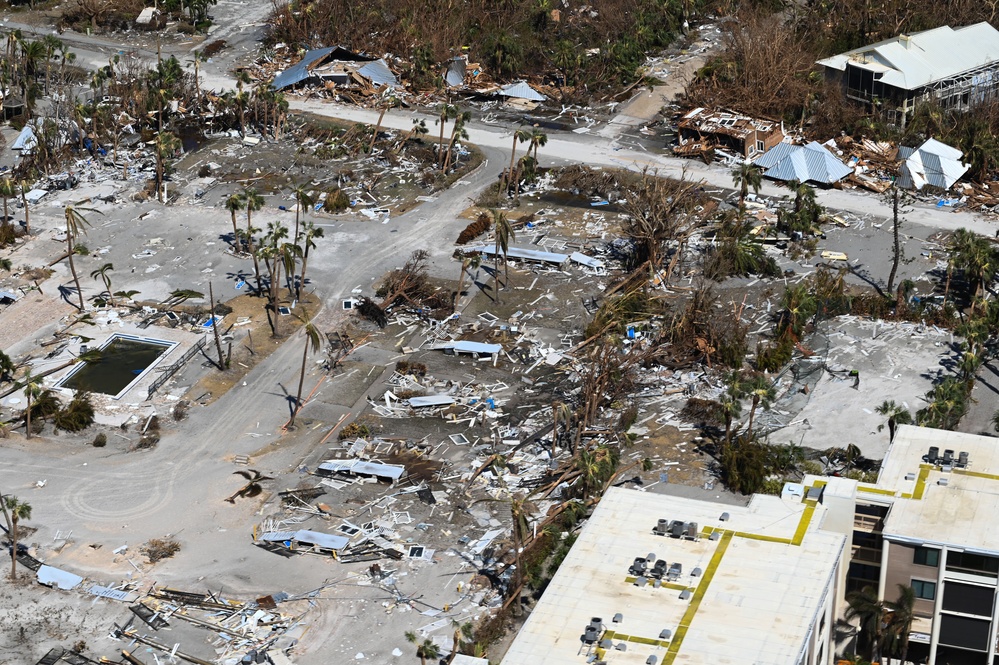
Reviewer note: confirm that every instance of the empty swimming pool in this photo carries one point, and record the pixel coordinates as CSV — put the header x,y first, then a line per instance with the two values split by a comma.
x,y
118,363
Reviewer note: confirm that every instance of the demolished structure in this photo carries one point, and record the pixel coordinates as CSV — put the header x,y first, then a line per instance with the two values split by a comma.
x,y
953,68
934,163
338,66
702,130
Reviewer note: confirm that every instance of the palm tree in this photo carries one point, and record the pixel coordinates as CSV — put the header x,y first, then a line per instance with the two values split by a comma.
x,y
901,617
303,201
76,224
254,201
16,510
166,146
865,606
504,234
470,262
424,649
234,204
388,102
522,135
761,390
746,176
461,630
314,342
309,233
446,111
32,386
102,274
419,128
538,140
896,414
804,196
458,132
8,190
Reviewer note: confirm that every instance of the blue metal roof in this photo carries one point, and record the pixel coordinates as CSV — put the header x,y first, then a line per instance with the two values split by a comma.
x,y
809,163
379,73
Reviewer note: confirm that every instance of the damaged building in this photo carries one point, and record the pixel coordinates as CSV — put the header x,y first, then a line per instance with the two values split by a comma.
x,y
337,66
953,68
737,136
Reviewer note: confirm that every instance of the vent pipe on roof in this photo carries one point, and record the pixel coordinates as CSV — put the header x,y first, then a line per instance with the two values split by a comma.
x,y
905,41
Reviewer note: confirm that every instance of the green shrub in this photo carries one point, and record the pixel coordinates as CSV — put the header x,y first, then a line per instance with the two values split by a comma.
x,y
336,201
100,440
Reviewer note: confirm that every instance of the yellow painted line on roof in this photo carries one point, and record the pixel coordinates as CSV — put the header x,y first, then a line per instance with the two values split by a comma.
x,y
611,635
976,474
695,600
876,490
662,585
806,519
757,536
924,473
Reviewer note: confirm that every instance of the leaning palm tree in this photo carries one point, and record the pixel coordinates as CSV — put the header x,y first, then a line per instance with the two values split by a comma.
x,y
234,204
865,606
424,649
387,102
504,234
167,146
458,133
17,510
522,135
102,274
746,176
314,342
76,224
762,392
254,201
896,414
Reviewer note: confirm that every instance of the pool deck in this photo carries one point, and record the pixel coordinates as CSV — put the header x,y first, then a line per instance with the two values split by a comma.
x,y
99,332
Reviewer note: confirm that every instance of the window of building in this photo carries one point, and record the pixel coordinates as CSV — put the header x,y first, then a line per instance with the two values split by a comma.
x,y
760,146
925,590
925,556
977,564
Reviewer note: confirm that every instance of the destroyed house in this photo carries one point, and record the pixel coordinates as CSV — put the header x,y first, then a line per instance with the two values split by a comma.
x,y
338,66
740,136
954,68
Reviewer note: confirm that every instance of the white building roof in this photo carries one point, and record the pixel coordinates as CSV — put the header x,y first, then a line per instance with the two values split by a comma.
x,y
913,61
753,602
959,512
522,253
933,163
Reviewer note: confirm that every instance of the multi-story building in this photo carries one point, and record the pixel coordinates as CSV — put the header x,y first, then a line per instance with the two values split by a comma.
x,y
928,524
664,579
954,68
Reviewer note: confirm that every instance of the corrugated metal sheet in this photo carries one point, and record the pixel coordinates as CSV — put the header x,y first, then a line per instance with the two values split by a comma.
x,y
378,72
430,400
809,163
465,346
523,253
454,75
300,71
933,163
360,467
521,90
587,261
325,540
